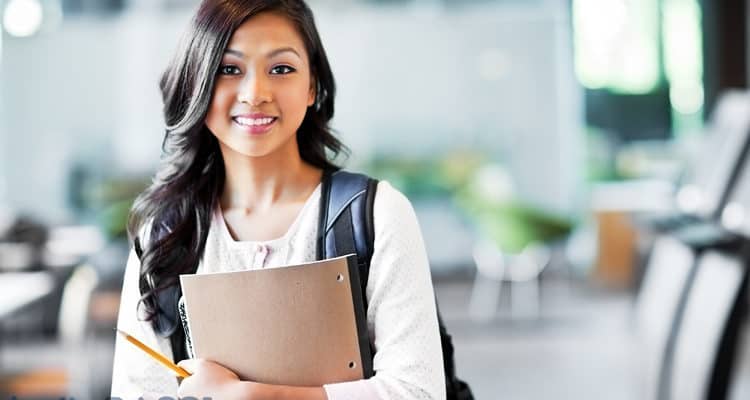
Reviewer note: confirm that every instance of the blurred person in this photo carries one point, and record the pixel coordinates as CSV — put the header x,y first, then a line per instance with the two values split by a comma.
x,y
248,98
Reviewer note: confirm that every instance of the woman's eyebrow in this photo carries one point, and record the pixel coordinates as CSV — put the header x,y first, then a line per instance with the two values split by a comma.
x,y
270,54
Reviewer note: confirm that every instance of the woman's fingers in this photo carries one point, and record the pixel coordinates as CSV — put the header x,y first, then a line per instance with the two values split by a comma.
x,y
189,365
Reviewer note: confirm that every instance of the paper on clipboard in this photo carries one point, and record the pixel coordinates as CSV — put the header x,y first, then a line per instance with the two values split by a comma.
x,y
301,325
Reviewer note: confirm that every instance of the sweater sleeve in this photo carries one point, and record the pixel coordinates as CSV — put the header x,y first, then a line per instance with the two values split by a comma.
x,y
136,375
401,315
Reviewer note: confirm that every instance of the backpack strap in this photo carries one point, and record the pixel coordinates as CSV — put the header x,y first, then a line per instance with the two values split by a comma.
x,y
347,198
346,227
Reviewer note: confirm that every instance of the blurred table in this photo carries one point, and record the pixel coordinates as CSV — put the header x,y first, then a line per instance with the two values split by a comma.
x,y
20,289
613,204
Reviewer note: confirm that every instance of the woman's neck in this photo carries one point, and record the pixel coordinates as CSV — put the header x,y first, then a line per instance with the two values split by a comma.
x,y
259,183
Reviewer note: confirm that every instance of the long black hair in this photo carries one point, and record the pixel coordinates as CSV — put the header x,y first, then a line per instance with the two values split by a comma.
x,y
172,216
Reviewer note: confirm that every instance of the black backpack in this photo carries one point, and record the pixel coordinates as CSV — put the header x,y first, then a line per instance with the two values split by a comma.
x,y
345,227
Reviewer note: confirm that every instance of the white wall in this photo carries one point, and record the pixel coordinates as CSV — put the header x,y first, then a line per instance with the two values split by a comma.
x,y
85,92
410,82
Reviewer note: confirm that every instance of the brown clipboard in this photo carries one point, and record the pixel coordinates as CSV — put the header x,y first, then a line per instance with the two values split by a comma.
x,y
301,325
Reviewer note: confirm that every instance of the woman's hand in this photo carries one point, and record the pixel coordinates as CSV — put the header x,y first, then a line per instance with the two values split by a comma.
x,y
212,380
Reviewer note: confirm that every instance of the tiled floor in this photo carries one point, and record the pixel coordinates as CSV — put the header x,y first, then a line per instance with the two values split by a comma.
x,y
581,347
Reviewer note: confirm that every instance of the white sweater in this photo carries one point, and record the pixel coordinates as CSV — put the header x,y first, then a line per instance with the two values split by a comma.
x,y
401,315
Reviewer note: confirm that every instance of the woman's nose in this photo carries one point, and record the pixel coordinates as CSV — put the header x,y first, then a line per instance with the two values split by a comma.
x,y
254,90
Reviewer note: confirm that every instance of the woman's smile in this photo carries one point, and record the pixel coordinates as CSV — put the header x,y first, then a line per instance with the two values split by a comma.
x,y
255,123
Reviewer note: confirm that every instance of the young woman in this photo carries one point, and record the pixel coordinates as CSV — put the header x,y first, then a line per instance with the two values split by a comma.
x,y
247,101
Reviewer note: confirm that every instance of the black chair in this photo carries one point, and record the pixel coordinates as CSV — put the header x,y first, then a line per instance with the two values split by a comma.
x,y
707,334
701,361
710,177
659,301
708,184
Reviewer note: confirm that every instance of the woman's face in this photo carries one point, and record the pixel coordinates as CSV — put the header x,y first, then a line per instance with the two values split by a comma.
x,y
262,88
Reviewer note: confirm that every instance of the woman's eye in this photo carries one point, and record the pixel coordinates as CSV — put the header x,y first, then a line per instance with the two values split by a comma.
x,y
229,70
282,70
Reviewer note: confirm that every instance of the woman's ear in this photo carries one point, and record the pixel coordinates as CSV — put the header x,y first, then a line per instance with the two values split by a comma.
x,y
312,93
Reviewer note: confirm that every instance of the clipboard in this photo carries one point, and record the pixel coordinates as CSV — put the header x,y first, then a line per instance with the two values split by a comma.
x,y
300,325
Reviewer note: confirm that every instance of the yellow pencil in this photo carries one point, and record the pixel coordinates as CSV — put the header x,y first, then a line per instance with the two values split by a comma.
x,y
158,357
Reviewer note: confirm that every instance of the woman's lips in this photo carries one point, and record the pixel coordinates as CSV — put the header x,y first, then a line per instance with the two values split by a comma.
x,y
254,125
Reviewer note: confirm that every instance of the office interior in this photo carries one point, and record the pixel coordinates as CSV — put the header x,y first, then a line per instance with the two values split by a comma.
x,y
579,169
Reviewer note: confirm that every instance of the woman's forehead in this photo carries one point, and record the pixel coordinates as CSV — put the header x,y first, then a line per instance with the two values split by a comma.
x,y
264,33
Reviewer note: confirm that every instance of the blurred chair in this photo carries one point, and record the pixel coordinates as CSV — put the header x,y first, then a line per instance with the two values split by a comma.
x,y
668,276
70,371
521,272
708,333
73,324
712,174
710,178
689,313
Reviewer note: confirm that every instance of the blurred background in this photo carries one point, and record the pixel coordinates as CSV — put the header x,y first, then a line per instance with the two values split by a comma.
x,y
578,168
